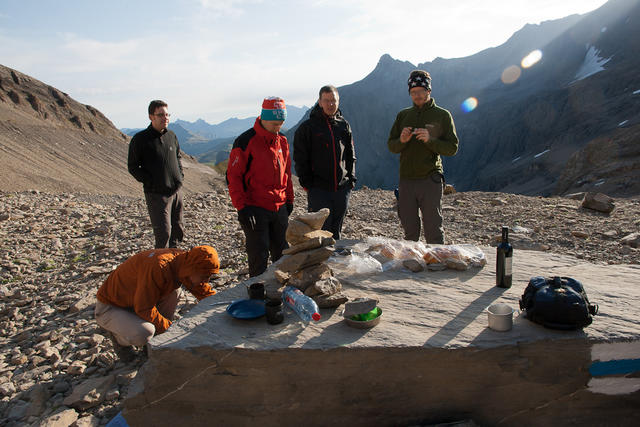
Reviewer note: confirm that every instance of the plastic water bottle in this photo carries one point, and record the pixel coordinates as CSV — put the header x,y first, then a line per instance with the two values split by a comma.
x,y
304,306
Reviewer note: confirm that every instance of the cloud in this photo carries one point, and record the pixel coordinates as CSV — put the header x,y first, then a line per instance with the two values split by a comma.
x,y
88,55
69,53
103,90
227,7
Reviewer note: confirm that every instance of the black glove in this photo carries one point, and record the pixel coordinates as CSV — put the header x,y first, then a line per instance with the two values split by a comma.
x,y
289,208
247,216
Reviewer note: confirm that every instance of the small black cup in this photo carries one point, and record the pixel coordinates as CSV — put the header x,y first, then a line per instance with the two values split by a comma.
x,y
256,290
274,311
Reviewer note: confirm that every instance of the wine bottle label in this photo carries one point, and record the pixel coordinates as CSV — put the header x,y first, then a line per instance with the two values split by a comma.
x,y
508,270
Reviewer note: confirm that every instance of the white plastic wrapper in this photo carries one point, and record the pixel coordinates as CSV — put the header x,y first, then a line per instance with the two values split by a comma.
x,y
377,254
354,264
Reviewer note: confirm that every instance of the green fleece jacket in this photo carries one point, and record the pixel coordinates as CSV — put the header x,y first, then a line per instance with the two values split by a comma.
x,y
418,159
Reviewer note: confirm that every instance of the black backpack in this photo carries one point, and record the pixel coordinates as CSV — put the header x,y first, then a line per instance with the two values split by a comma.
x,y
557,303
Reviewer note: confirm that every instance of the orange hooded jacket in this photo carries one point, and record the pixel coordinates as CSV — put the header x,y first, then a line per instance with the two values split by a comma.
x,y
145,278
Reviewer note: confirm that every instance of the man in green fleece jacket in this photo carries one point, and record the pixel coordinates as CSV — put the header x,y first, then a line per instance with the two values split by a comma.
x,y
421,134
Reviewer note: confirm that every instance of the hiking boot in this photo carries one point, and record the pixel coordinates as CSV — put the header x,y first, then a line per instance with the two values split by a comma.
x,y
125,353
147,350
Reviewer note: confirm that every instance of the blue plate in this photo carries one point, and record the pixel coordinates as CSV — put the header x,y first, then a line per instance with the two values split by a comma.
x,y
246,309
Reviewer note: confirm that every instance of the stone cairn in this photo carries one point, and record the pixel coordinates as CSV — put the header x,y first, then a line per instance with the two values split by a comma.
x,y
305,267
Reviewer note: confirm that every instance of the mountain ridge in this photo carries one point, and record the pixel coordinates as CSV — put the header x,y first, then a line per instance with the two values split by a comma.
x,y
50,142
549,111
517,119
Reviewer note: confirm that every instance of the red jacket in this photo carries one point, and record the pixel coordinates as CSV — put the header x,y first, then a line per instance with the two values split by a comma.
x,y
259,170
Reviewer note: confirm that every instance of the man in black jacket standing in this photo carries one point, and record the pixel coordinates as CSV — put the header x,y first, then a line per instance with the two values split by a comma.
x,y
325,159
154,160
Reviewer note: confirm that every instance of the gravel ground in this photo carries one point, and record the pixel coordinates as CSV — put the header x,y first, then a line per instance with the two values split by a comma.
x,y
57,367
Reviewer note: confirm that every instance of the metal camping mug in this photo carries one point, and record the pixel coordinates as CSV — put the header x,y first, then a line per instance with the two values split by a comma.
x,y
274,311
500,317
256,290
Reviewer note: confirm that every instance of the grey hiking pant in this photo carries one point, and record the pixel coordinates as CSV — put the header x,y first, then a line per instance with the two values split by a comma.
x,y
165,213
127,326
425,195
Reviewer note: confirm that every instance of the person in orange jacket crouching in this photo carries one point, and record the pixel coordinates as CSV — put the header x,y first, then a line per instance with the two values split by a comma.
x,y
139,298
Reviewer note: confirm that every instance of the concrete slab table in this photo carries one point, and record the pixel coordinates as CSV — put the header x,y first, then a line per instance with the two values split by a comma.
x,y
431,359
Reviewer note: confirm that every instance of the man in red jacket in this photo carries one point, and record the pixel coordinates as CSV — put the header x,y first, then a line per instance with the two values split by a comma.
x,y
139,298
260,185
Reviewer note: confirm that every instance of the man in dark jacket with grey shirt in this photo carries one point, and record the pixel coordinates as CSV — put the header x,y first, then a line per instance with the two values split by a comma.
x,y
154,160
325,159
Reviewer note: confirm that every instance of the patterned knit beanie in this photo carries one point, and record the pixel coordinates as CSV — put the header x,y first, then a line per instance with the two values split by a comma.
x,y
273,108
419,78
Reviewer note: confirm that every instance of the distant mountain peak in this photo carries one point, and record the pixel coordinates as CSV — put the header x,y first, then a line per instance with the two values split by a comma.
x,y
551,28
388,66
386,60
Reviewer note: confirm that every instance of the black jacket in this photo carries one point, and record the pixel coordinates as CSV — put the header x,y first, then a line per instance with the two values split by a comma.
x,y
323,152
154,160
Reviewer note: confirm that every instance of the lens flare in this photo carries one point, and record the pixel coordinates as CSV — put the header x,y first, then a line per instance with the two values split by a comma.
x,y
510,74
531,59
469,104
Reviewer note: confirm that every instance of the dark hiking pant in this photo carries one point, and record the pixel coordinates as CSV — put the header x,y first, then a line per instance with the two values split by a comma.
x,y
264,234
424,195
166,218
336,201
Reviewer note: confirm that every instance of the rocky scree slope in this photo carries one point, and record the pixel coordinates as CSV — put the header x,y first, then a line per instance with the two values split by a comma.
x,y
56,365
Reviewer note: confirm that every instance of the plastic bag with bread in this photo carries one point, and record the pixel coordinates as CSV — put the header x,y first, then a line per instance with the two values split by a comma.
x,y
458,257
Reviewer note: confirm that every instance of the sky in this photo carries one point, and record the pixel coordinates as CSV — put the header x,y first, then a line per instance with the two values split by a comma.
x,y
217,59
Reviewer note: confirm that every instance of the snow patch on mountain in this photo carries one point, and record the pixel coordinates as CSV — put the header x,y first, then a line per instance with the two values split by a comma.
x,y
593,63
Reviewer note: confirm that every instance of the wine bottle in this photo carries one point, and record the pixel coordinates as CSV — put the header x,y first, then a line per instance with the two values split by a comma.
x,y
504,261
